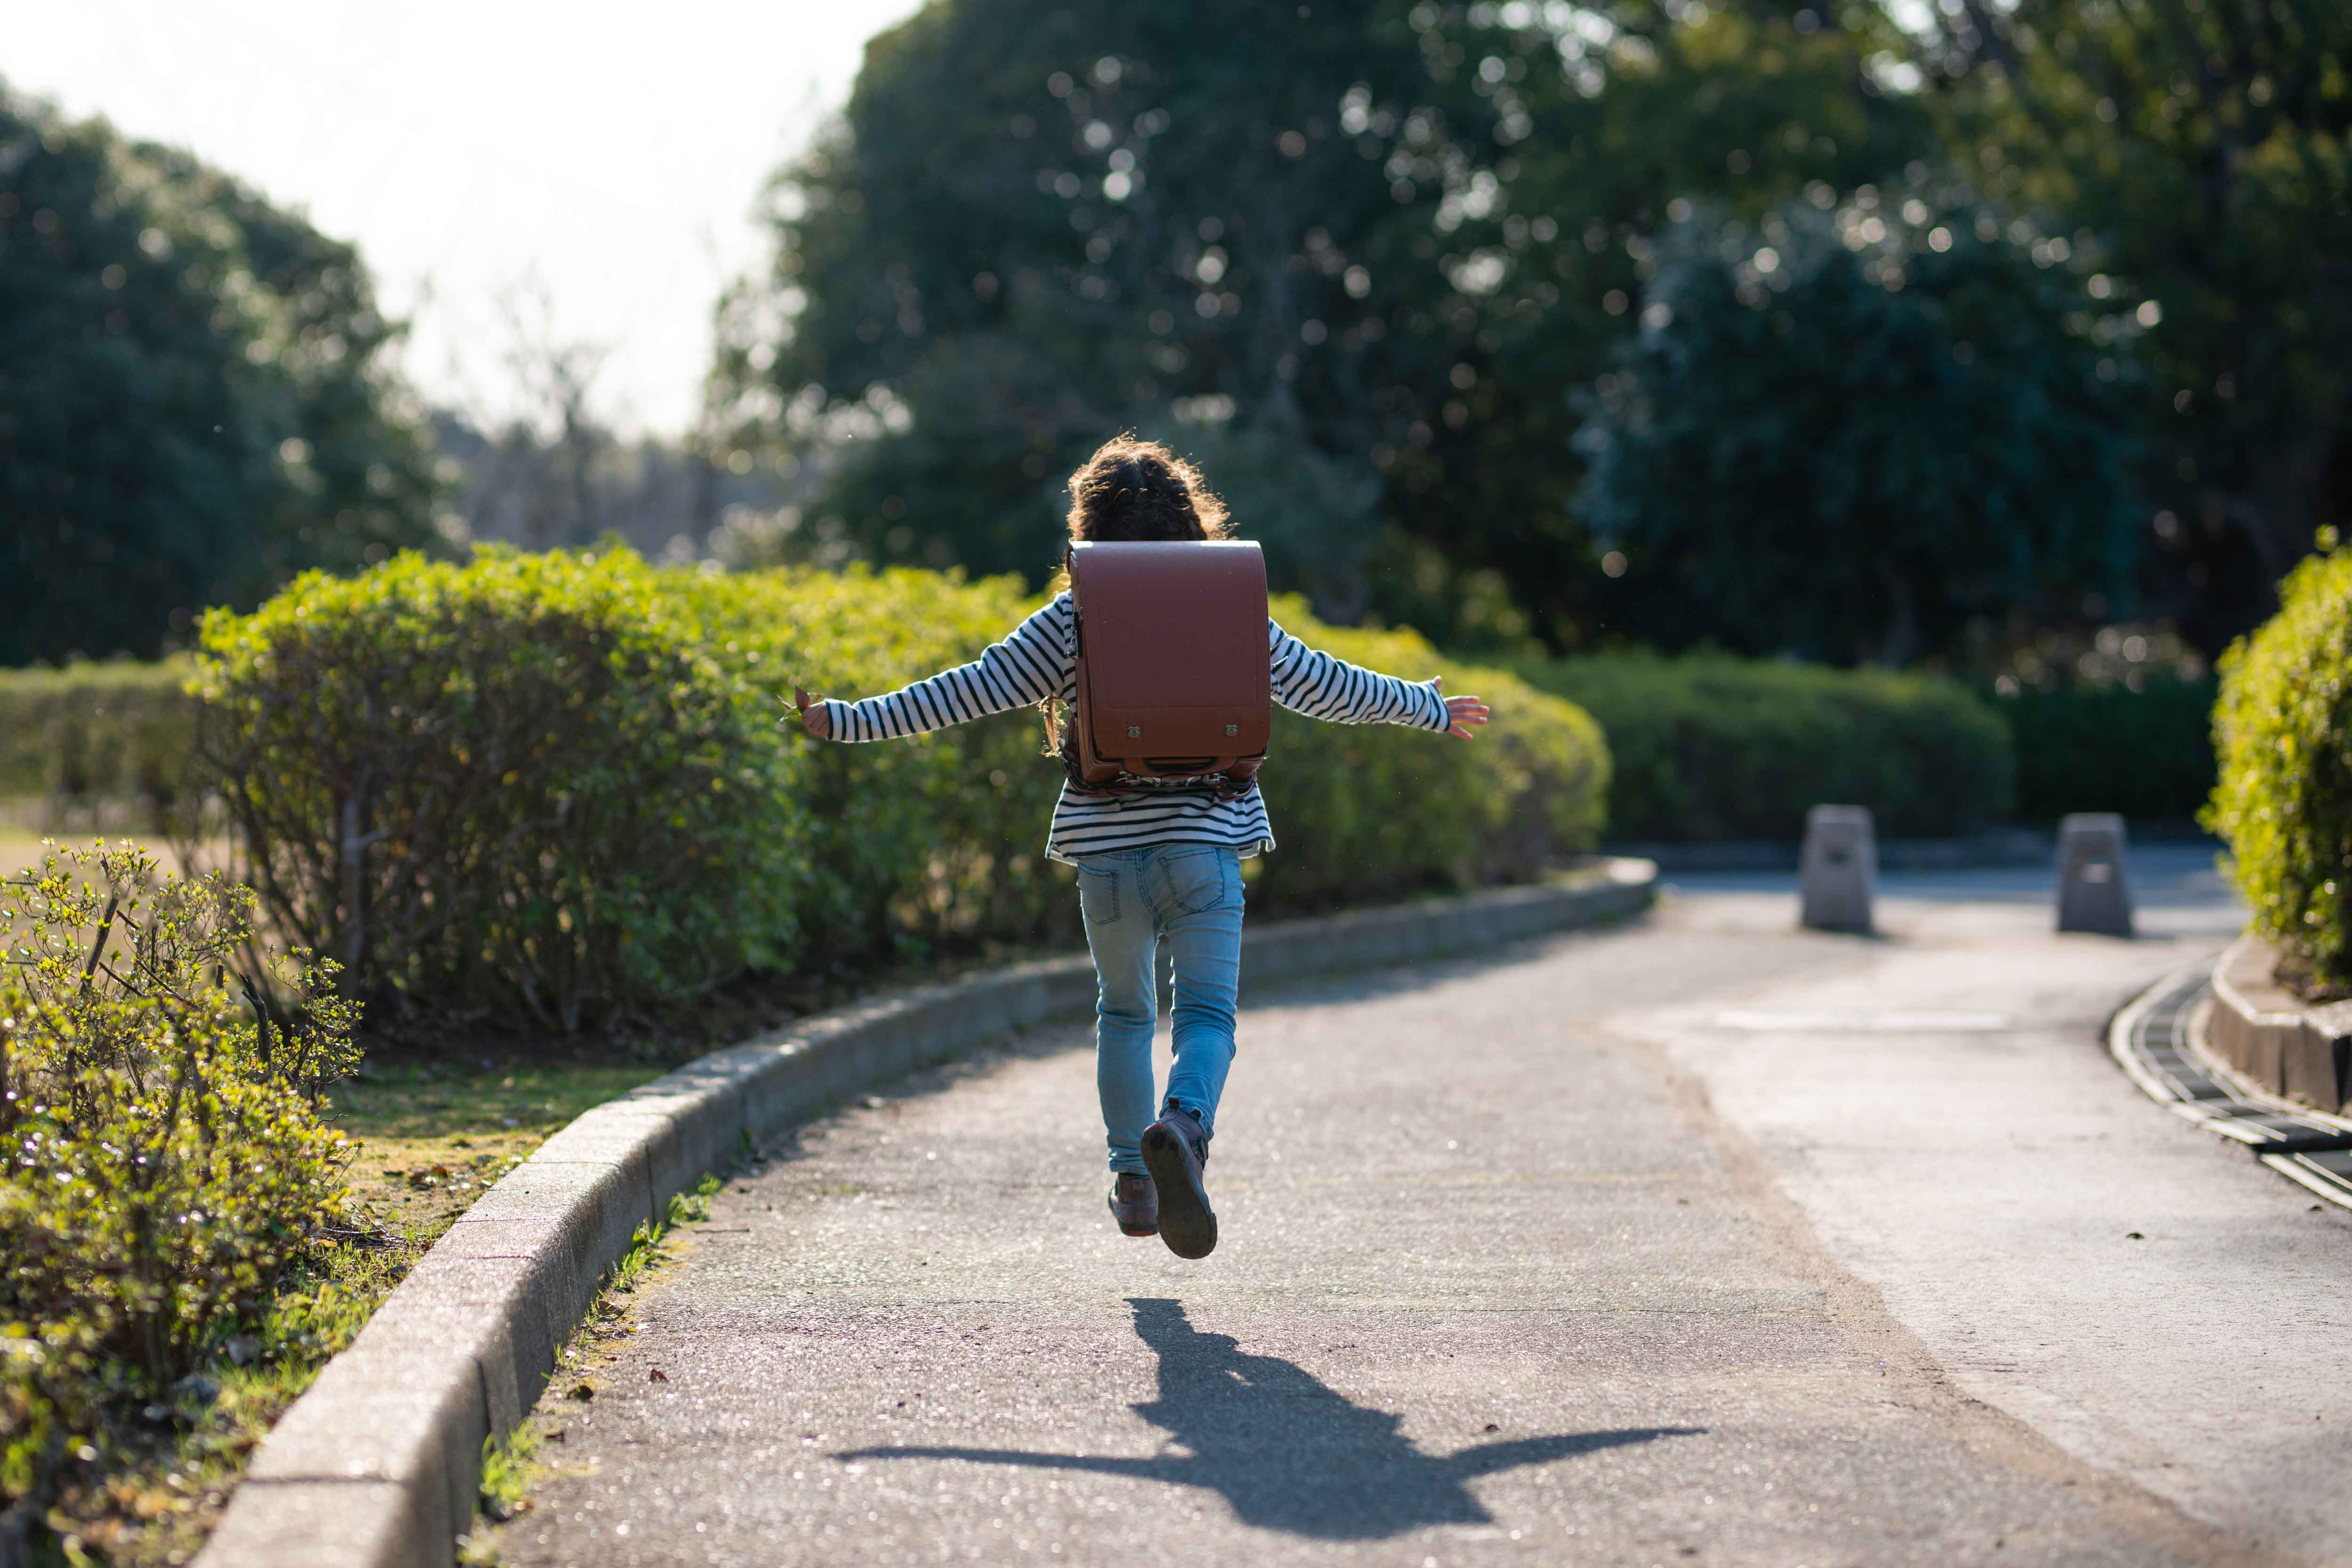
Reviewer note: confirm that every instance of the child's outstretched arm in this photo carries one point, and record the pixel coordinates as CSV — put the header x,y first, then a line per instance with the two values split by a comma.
x,y
1320,686
1032,663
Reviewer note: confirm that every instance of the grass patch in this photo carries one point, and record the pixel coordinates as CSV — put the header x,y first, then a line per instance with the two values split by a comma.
x,y
432,1135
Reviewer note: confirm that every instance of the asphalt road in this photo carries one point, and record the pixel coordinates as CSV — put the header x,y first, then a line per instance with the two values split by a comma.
x,y
1588,1252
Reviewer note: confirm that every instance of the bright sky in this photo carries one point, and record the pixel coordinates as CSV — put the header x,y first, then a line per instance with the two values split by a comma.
x,y
610,151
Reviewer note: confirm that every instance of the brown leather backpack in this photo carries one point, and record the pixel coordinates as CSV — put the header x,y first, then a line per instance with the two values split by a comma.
x,y
1172,680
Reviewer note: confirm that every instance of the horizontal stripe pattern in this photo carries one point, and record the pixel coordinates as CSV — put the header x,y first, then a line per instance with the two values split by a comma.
x,y
1038,659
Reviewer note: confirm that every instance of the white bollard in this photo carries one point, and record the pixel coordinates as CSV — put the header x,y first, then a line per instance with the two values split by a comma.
x,y
2093,881
1838,871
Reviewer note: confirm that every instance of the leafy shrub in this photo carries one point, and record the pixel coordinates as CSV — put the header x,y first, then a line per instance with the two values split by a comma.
x,y
943,837
566,796
1710,747
90,734
2283,729
519,786
936,839
163,1159
1366,811
2146,753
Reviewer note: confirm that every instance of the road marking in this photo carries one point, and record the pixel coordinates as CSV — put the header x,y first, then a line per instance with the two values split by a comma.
x,y
1899,1021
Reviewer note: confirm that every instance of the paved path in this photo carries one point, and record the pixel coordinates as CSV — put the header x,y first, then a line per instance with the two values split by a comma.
x,y
1531,1261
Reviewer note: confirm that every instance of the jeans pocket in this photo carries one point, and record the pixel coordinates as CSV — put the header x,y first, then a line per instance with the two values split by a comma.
x,y
1098,896
1201,879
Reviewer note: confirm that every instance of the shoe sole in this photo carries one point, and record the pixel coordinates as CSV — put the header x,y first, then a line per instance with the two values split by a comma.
x,y
1186,1221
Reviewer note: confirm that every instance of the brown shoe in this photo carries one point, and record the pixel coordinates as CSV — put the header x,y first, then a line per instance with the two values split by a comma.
x,y
1175,1148
1134,1204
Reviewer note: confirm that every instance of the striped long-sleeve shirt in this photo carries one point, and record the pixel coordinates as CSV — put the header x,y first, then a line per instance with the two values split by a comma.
x,y
1039,660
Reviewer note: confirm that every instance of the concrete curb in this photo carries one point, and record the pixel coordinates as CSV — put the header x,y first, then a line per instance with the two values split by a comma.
x,y
2278,1042
378,1464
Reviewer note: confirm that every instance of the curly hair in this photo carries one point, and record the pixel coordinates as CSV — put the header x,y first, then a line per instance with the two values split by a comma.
x,y
1137,490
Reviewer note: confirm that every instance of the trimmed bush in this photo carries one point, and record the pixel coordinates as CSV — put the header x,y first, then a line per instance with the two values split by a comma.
x,y
2282,730
94,734
163,1164
943,837
2146,753
940,839
1369,812
519,786
566,796
1710,748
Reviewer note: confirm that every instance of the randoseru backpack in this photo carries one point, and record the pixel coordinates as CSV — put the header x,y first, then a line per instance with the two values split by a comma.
x,y
1172,681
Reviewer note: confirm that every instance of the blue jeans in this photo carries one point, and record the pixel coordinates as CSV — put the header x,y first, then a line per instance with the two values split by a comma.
x,y
1191,894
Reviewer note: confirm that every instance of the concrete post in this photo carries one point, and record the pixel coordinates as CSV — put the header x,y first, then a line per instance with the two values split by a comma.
x,y
2093,889
1839,870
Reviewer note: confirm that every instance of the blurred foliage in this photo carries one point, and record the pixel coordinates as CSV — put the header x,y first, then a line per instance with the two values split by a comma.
x,y
1374,810
193,405
1708,747
90,734
1859,433
2147,752
1389,241
1360,259
550,789
2199,158
165,1165
1137,215
2284,803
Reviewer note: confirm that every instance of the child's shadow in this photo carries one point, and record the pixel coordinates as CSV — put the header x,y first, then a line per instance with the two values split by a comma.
x,y
1287,1451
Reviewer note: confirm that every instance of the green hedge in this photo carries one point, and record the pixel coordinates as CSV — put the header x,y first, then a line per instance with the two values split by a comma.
x,y
117,732
1365,812
2284,802
1710,748
164,1163
2148,753
553,789
521,787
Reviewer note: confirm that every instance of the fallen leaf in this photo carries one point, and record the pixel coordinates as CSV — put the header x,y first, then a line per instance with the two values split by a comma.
x,y
2134,1236
1491,1428
657,1375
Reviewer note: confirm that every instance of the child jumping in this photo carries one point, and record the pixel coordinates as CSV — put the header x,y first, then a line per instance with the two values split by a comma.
x,y
1157,859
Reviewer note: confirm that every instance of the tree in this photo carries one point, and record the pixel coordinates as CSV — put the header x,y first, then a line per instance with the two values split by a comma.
x,y
2197,150
1381,243
1030,232
1874,434
544,468
193,399
1624,117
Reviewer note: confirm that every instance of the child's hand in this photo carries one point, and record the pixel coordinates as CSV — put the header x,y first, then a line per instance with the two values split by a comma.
x,y
815,716
1463,712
